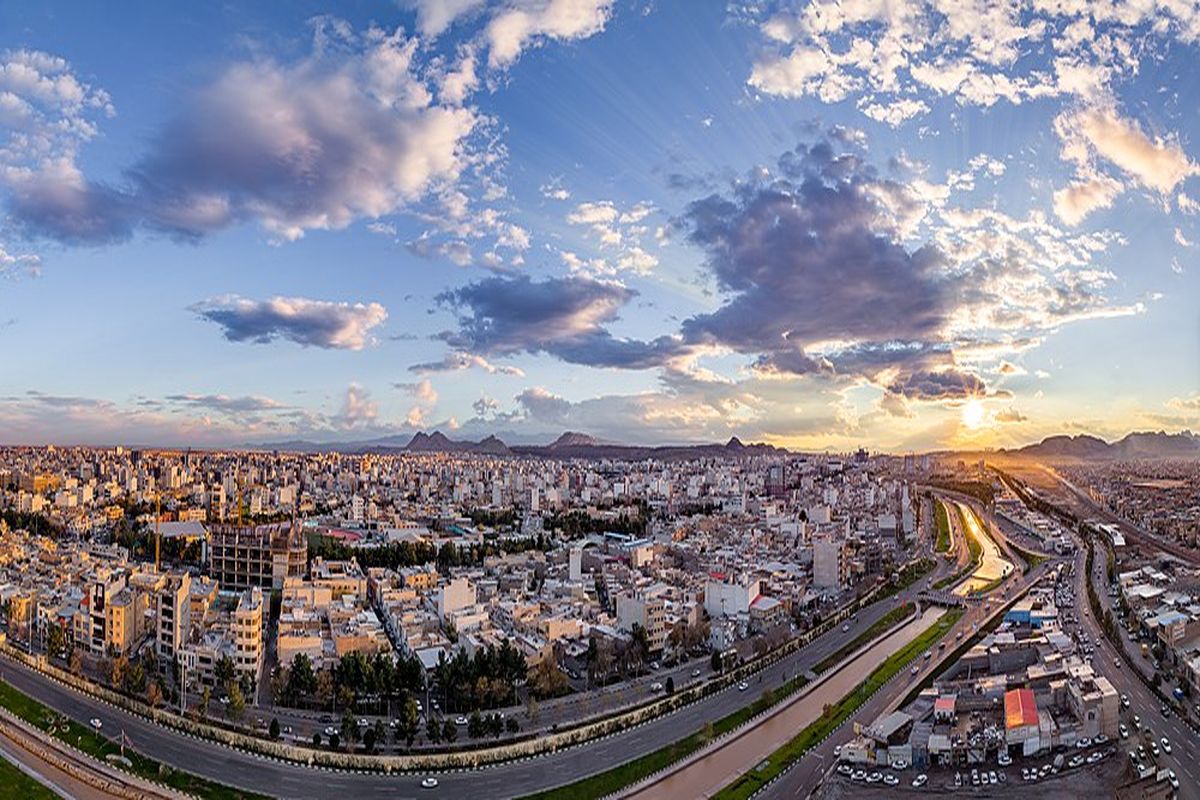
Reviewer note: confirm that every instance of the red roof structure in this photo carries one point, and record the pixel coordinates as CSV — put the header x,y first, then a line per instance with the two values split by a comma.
x,y
1020,709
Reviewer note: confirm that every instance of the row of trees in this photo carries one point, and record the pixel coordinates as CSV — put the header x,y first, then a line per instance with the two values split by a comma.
x,y
486,680
356,679
413,554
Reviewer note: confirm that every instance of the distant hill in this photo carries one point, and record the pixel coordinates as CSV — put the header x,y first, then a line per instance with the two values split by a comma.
x,y
1135,445
569,445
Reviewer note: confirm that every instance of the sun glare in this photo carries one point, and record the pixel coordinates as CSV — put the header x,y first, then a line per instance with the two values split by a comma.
x,y
973,414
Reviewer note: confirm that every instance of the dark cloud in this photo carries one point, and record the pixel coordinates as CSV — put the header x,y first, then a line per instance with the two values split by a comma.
x,y
565,317
226,404
945,384
316,323
812,258
811,261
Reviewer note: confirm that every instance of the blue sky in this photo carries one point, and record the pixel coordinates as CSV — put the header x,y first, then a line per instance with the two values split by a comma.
x,y
812,224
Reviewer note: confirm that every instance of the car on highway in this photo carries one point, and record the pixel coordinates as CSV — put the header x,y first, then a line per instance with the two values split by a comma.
x,y
1166,744
656,687
743,686
460,720
429,783
846,628
96,723
1173,780
696,673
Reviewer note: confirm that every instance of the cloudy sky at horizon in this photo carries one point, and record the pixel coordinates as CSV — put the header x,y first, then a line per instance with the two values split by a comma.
x,y
902,225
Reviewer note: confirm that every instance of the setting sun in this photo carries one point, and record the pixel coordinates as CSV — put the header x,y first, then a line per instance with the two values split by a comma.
x,y
973,414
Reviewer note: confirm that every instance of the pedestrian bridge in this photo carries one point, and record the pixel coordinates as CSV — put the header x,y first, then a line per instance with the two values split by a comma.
x,y
940,598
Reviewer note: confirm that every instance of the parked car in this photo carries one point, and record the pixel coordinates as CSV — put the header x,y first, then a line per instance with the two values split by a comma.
x,y
920,781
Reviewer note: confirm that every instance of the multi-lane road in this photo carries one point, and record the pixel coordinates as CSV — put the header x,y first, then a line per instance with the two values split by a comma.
x,y
277,778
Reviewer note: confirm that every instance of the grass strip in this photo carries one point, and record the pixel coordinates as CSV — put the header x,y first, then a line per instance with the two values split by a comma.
x,y
97,745
887,621
974,550
16,785
834,715
943,526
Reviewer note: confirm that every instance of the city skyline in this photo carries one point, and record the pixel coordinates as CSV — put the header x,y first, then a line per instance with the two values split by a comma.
x,y
817,227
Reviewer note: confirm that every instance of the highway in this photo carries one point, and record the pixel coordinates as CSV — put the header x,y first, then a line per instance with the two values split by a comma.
x,y
260,774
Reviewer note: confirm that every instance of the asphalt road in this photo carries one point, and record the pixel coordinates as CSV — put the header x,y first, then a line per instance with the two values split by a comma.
x,y
260,774
1184,741
808,773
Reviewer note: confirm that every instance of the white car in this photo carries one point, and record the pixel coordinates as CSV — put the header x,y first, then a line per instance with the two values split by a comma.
x,y
96,723
429,783
460,720
696,673
656,687
875,777
920,781
743,686
891,780
900,764
1166,744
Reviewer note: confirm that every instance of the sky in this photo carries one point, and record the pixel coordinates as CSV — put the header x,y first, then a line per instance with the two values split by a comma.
x,y
906,226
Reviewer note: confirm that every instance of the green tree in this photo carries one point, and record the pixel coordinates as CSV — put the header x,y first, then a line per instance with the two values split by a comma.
x,y
409,720
274,729
449,730
433,731
205,699
237,703
224,671
369,740
301,678
349,727
56,641
475,725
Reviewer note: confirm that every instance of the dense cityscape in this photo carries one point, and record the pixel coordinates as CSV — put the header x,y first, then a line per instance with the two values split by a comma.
x,y
913,621
599,399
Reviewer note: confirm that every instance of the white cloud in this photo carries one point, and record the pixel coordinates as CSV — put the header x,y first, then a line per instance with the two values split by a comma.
x,y
1155,162
358,410
520,24
435,16
1182,240
1082,197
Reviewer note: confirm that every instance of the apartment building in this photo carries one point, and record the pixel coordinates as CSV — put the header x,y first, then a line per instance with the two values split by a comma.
x,y
649,612
247,556
173,616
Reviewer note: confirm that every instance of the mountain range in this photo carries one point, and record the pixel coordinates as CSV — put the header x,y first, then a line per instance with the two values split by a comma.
x,y
1142,444
569,445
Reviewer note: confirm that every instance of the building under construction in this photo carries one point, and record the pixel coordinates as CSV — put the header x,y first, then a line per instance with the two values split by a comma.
x,y
244,556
